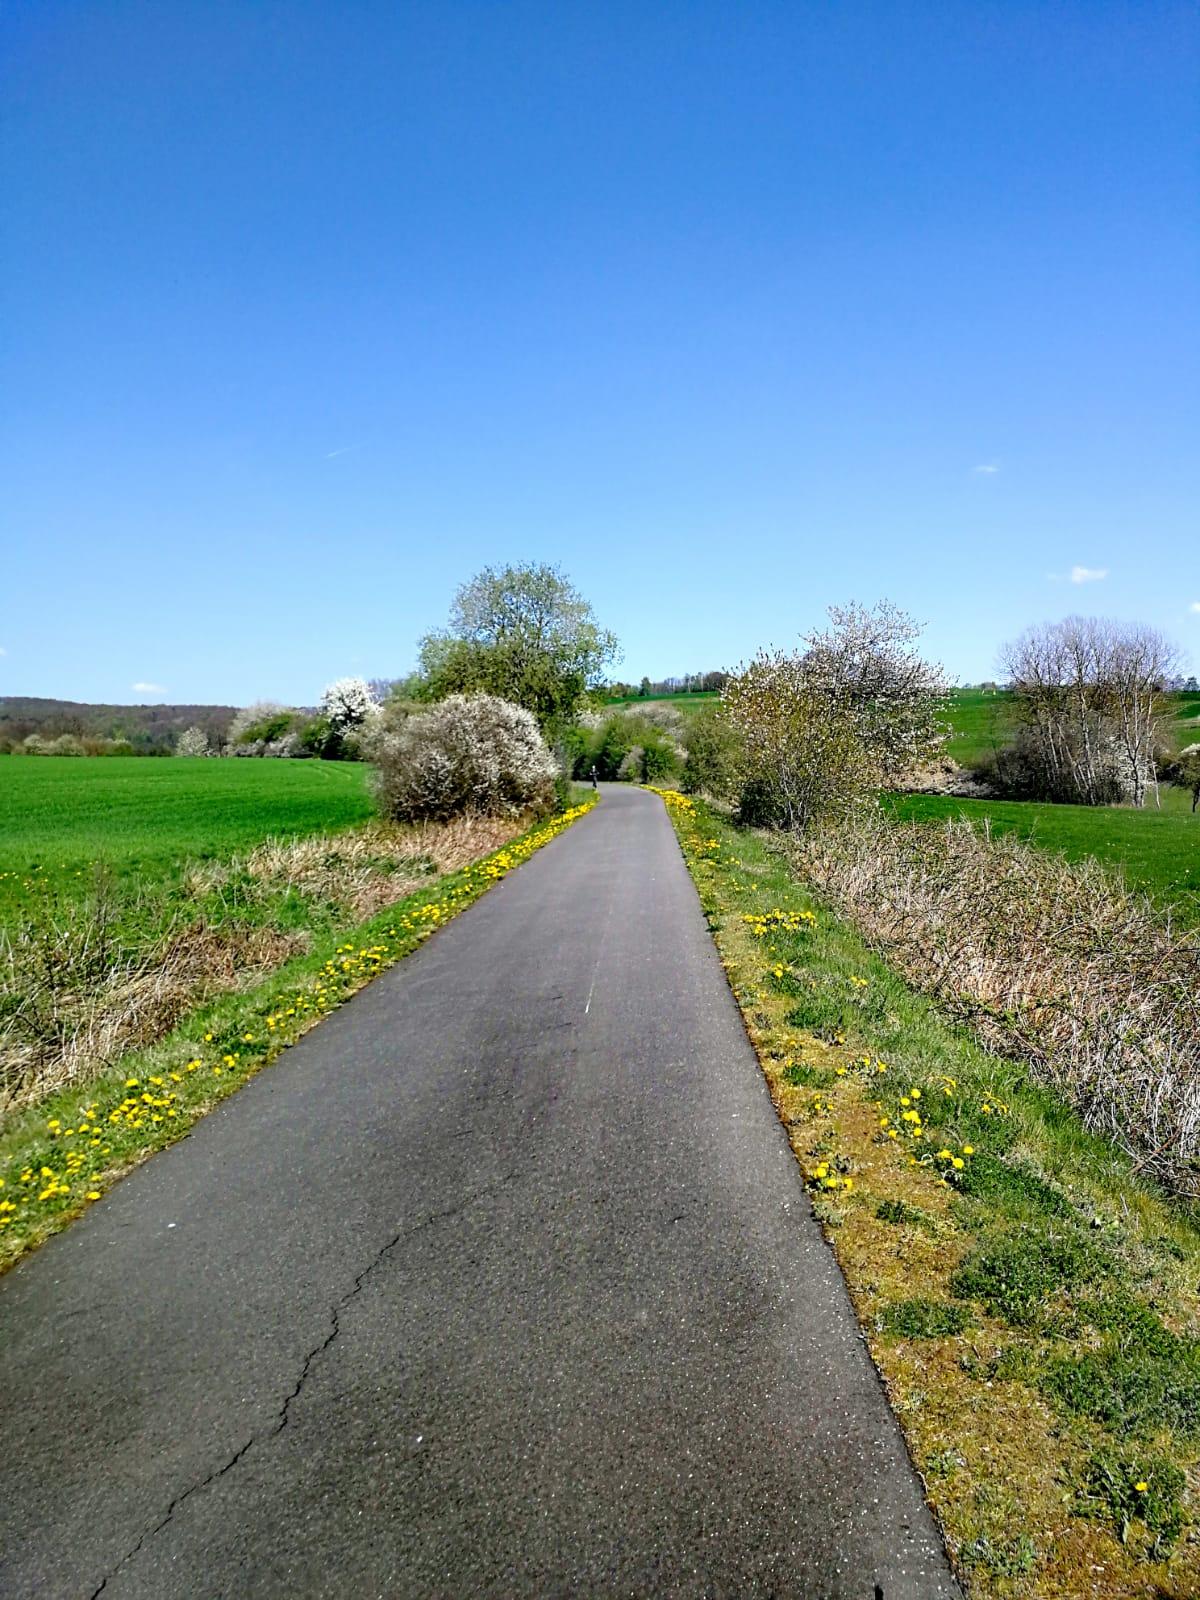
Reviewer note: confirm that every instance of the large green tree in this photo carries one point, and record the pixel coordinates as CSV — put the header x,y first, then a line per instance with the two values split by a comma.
x,y
524,633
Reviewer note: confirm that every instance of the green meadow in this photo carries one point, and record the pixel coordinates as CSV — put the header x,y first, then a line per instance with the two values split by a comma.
x,y
61,815
981,721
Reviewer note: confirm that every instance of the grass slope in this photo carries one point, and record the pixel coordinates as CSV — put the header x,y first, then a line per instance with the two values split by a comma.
x,y
979,724
1032,1306
60,1156
1159,851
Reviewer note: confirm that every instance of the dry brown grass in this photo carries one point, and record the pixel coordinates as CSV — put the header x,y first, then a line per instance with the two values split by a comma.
x,y
367,870
71,1020
81,987
1052,961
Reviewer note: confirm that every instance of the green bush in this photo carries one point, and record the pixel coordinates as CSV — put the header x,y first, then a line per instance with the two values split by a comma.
x,y
660,760
712,748
625,746
269,728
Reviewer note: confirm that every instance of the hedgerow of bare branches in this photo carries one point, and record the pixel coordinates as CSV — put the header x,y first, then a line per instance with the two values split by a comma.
x,y
1052,961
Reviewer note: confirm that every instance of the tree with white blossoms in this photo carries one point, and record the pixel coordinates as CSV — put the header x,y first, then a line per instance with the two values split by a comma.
x,y
796,755
868,667
349,705
816,729
192,742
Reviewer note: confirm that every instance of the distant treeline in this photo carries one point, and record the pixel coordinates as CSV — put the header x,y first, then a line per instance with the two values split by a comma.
x,y
126,730
655,688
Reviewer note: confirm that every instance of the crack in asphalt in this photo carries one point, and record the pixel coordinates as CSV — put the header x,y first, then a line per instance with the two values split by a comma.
x,y
281,1420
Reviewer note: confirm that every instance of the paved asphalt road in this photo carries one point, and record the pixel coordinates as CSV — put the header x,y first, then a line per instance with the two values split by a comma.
x,y
501,1282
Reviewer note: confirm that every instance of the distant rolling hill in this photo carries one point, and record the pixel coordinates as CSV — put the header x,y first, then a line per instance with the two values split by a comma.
x,y
148,728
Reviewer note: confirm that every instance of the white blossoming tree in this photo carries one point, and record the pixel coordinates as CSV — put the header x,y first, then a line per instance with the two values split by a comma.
x,y
192,742
349,705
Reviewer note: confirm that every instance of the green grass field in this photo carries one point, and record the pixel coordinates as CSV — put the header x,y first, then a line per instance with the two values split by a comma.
x,y
1158,850
980,721
686,702
61,815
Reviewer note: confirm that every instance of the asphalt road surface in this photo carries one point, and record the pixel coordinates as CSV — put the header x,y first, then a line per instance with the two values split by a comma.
x,y
501,1282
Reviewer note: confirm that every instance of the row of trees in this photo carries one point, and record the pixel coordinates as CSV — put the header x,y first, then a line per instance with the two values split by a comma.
x,y
520,666
793,736
339,730
657,688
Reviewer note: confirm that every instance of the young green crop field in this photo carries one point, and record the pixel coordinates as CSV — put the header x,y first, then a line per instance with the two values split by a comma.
x,y
1159,851
61,815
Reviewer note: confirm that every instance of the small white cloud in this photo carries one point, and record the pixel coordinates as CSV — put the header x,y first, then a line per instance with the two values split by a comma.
x,y
344,451
4,652
147,688
1088,574
987,468
1195,606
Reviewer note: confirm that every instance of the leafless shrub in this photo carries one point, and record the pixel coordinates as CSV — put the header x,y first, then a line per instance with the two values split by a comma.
x,y
1090,698
1054,962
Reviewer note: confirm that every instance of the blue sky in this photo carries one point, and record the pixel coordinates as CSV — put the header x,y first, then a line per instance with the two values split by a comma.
x,y
308,311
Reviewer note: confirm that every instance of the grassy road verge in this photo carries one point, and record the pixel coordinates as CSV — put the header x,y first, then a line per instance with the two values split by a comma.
x,y
1032,1307
60,1156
